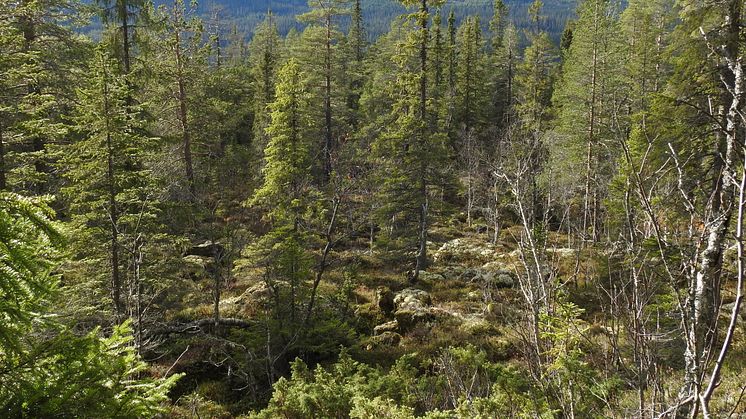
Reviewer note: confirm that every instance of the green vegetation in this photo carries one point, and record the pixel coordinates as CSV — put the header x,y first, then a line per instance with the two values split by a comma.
x,y
424,208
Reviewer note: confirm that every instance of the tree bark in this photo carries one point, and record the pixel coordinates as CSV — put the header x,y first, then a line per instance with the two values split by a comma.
x,y
421,260
113,210
183,109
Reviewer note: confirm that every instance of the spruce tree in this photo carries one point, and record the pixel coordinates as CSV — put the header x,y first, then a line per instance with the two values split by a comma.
x,y
45,365
109,188
584,101
265,57
471,99
38,74
410,152
324,35
288,195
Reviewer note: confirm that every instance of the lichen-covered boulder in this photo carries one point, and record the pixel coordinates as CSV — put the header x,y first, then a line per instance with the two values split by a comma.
x,y
431,276
412,299
412,308
384,339
465,249
391,326
206,249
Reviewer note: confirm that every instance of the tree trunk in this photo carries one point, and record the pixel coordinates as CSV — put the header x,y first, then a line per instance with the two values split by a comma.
x,y
701,333
113,211
183,114
328,144
421,260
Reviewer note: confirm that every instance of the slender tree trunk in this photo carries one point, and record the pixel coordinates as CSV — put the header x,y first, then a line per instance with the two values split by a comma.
x,y
328,141
113,210
702,304
323,264
28,26
421,260
183,114
124,19
591,131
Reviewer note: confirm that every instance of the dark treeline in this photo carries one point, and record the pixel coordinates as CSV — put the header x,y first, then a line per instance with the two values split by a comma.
x,y
399,209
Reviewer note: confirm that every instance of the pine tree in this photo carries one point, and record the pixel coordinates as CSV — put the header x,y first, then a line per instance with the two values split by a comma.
x,y
124,16
471,81
181,62
38,74
502,56
357,46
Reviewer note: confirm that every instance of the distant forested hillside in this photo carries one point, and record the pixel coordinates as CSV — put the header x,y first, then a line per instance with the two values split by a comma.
x,y
247,14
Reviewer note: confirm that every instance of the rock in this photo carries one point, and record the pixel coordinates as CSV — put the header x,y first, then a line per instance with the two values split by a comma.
x,y
500,279
206,249
408,319
453,272
385,300
491,275
412,308
431,276
385,339
412,299
259,293
391,326
465,250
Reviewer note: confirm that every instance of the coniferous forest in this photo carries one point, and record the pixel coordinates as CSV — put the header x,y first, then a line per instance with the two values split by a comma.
x,y
435,215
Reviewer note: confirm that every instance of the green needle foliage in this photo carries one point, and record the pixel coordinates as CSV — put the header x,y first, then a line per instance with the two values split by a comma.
x,y
45,369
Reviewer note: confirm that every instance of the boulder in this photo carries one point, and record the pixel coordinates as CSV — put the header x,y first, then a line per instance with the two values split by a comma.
x,y
412,299
431,276
206,249
258,293
408,319
412,308
499,279
391,326
465,250
385,339
490,275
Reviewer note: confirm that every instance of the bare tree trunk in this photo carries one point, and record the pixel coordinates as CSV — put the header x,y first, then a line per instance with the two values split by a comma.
x,y
124,19
323,264
702,333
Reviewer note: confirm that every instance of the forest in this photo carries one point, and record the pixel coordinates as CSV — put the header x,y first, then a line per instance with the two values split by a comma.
x,y
461,214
